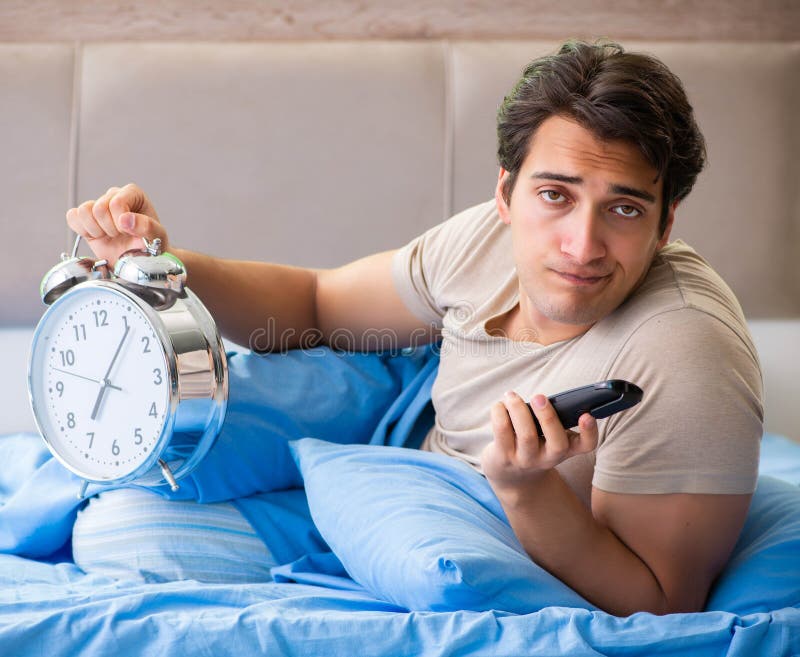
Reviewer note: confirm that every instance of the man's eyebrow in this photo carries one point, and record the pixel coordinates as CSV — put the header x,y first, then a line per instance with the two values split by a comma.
x,y
632,191
549,175
577,180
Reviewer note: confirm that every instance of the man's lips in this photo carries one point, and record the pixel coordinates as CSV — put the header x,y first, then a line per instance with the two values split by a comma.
x,y
583,278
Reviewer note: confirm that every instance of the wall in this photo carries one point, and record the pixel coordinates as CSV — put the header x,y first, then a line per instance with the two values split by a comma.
x,y
99,20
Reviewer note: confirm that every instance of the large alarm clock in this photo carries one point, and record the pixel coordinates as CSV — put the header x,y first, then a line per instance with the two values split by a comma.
x,y
127,374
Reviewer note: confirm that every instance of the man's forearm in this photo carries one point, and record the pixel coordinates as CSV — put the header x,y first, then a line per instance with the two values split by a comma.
x,y
263,306
560,534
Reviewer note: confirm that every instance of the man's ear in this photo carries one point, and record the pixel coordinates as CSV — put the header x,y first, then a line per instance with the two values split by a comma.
x,y
668,229
502,205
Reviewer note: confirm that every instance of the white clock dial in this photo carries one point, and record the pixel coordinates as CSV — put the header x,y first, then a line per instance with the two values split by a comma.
x,y
100,383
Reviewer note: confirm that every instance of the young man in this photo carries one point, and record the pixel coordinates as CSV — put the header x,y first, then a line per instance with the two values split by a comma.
x,y
564,279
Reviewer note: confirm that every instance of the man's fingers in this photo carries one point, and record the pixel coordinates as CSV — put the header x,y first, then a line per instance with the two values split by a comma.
x,y
556,441
102,213
503,430
528,441
586,440
129,199
86,223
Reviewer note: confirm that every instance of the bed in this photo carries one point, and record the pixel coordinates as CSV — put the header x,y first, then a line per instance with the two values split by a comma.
x,y
384,549
339,591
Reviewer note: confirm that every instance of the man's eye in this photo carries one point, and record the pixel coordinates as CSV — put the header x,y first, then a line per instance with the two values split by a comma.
x,y
627,211
552,196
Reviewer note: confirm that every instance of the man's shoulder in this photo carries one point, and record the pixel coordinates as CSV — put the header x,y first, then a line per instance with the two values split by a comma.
x,y
682,305
680,266
476,221
682,280
468,253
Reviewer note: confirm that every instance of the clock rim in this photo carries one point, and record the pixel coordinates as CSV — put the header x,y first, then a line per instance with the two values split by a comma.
x,y
167,348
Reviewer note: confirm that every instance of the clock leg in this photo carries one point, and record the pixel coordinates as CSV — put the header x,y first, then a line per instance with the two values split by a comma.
x,y
168,475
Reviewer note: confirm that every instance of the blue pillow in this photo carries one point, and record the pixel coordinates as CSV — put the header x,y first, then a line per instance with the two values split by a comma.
x,y
763,573
421,530
274,398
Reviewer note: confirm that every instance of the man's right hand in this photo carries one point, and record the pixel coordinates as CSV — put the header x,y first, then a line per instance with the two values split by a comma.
x,y
116,222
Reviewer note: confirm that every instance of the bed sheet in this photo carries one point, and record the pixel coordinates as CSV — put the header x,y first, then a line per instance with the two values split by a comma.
x,y
50,607
55,609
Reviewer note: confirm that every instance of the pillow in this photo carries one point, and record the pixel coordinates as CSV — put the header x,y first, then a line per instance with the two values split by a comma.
x,y
273,398
780,458
423,531
763,573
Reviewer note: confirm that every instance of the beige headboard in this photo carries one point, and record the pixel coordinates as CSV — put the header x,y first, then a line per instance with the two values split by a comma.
x,y
315,152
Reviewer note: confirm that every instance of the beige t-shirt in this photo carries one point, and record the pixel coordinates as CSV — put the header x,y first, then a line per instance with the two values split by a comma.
x,y
681,337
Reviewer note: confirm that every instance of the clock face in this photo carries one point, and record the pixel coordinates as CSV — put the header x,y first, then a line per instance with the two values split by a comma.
x,y
99,382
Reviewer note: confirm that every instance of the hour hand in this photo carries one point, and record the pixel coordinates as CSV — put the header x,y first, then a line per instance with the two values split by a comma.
x,y
98,400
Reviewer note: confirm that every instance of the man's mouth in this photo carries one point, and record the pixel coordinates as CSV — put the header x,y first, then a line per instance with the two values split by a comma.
x,y
580,278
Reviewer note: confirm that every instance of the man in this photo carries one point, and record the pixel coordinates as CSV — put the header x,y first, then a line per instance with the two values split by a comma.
x,y
565,278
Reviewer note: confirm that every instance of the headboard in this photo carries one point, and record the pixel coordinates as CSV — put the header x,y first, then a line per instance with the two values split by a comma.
x,y
318,152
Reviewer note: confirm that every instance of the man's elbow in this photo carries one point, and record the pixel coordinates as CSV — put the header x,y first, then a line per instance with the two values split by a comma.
x,y
688,601
663,601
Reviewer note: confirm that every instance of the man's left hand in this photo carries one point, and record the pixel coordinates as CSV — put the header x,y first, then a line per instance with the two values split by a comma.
x,y
518,456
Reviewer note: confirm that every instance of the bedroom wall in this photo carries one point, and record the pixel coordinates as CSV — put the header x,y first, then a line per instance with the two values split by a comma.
x,y
70,72
247,20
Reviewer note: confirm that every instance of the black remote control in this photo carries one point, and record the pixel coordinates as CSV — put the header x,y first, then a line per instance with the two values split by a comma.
x,y
598,399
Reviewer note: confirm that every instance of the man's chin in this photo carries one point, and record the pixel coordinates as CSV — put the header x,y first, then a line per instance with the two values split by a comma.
x,y
574,315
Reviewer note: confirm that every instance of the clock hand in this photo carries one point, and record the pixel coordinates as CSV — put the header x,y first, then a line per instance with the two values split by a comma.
x,y
80,376
116,353
98,400
105,384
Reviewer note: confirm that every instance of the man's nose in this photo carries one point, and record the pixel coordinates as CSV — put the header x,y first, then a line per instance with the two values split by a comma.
x,y
582,239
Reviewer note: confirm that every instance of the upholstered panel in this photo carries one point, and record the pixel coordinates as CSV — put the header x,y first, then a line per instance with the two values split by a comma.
x,y
744,214
309,154
35,104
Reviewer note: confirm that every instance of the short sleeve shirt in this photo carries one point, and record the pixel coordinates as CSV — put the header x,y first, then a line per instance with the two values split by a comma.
x,y
681,336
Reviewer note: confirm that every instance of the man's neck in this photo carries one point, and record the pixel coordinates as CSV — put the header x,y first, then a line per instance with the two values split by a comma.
x,y
519,326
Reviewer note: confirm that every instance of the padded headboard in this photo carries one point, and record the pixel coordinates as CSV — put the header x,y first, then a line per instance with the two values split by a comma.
x,y
315,153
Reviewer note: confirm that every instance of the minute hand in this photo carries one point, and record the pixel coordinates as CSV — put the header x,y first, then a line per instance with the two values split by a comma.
x,y
116,353
105,382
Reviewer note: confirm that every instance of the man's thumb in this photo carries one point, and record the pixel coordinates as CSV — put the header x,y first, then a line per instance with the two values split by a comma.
x,y
139,225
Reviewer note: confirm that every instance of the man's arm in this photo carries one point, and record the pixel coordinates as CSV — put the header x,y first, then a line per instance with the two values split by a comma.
x,y
628,553
264,306
272,307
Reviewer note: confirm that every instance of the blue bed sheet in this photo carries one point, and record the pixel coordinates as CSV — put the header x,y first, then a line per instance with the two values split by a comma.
x,y
55,610
50,607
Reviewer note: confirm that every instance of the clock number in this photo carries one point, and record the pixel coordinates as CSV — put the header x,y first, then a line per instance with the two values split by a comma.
x,y
146,342
60,388
115,448
71,420
158,378
100,318
67,358
139,437
80,332
91,438
153,412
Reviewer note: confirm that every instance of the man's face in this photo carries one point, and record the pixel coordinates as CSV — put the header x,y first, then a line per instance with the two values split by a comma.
x,y
584,217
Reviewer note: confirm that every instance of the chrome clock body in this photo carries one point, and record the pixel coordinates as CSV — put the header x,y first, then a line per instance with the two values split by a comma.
x,y
128,382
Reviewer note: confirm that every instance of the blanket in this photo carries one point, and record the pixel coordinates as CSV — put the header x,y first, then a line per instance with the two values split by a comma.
x,y
401,551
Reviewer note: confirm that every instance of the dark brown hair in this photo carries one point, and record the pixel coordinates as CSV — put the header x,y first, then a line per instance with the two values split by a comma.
x,y
614,94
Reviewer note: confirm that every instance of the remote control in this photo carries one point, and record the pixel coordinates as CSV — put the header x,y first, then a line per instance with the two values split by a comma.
x,y
598,399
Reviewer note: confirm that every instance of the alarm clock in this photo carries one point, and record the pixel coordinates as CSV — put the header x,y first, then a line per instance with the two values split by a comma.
x,y
127,375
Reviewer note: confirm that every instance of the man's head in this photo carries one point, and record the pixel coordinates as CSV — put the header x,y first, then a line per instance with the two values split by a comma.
x,y
615,95
597,147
